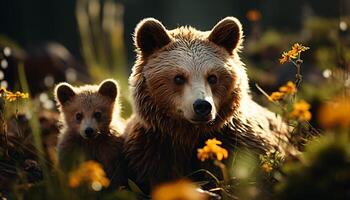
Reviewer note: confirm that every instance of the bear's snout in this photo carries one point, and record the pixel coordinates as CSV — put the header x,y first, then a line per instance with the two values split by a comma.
x,y
202,109
89,132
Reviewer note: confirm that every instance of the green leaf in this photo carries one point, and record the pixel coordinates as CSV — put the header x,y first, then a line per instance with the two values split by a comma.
x,y
135,188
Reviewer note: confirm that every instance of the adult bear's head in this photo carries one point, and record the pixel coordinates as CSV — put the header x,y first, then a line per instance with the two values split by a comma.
x,y
188,78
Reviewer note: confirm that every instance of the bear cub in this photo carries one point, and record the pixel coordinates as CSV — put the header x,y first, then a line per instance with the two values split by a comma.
x,y
91,127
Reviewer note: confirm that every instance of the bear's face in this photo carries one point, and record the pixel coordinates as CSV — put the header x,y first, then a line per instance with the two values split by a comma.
x,y
190,79
87,110
191,75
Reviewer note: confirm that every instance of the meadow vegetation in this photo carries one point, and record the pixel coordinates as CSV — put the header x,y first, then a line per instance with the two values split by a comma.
x,y
313,97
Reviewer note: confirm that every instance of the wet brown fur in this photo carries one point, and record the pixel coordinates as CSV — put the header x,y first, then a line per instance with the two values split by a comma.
x,y
160,144
106,148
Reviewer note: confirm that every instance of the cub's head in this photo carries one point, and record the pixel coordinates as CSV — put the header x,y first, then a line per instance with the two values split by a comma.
x,y
188,75
87,110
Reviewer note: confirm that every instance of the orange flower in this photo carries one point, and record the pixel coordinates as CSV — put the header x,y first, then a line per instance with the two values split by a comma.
x,y
10,96
293,53
182,189
211,150
213,142
89,172
14,96
266,167
287,56
289,88
253,15
301,111
335,113
298,48
276,96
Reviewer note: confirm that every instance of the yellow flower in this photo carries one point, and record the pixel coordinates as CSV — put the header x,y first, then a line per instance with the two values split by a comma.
x,y
267,167
298,48
213,142
211,150
286,56
89,172
182,189
335,113
293,53
289,88
301,111
10,96
276,96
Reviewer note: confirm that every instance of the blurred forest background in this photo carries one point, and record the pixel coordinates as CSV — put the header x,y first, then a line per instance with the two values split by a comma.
x,y
32,23
83,40
43,42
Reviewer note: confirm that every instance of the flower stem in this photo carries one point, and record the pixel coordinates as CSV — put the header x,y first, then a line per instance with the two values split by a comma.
x,y
3,127
223,169
298,76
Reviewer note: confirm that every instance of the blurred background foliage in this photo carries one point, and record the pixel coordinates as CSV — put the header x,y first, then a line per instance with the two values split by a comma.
x,y
43,42
85,41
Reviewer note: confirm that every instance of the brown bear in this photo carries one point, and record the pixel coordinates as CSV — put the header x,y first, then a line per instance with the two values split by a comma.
x,y
189,86
91,128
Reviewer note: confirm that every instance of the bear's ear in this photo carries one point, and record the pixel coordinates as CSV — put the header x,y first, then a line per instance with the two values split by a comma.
x,y
227,33
63,93
109,88
150,35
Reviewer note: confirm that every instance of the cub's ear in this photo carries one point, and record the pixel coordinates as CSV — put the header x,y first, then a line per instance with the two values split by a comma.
x,y
227,33
109,88
150,35
63,93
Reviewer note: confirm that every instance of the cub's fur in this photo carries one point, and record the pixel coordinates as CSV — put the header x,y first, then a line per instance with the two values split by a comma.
x,y
189,86
88,114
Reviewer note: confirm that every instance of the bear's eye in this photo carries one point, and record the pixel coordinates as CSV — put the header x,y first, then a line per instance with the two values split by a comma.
x,y
212,79
97,115
79,116
179,80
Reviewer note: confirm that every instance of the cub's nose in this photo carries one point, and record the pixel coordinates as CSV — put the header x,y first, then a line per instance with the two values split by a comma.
x,y
89,132
201,107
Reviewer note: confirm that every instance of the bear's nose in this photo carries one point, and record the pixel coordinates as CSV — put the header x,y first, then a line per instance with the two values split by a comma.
x,y
89,132
202,107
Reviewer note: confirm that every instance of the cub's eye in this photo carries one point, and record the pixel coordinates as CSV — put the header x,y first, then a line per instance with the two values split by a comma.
x,y
179,80
79,116
212,79
97,115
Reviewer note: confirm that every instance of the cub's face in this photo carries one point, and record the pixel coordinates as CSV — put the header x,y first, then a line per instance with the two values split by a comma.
x,y
189,73
87,110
